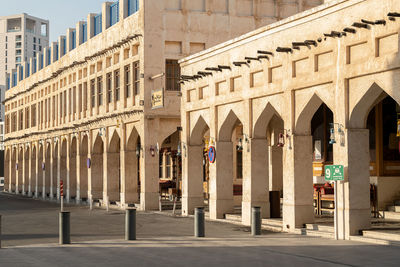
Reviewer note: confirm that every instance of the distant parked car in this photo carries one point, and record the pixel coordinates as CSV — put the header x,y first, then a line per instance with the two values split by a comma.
x,y
1,181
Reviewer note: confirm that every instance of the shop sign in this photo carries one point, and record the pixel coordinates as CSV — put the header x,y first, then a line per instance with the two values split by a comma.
x,y
212,154
334,173
157,98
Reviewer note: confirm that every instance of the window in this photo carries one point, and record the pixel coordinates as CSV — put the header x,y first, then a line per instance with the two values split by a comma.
x,y
74,100
100,91
26,118
128,81
40,48
109,88
34,39
21,120
70,104
93,92
117,84
168,165
173,75
85,100
136,78
34,47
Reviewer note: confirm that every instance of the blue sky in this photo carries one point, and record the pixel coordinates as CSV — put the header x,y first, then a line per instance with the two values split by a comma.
x,y
62,14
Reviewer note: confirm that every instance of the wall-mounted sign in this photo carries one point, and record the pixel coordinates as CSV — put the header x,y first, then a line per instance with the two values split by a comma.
x,y
88,163
212,154
334,173
157,98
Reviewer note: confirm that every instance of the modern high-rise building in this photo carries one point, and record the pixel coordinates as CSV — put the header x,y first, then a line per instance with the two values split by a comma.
x,y
21,37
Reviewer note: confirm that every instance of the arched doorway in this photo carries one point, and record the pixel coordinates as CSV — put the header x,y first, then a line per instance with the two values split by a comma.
x,y
266,165
13,169
226,173
72,169
97,169
63,165
47,170
20,170
170,166
84,168
40,172
133,153
113,186
55,170
196,175
34,171
27,178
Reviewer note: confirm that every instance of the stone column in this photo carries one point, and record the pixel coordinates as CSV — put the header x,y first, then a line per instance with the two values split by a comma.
x,y
67,165
37,171
58,169
18,172
354,212
149,193
44,170
51,169
23,172
78,169
221,181
30,171
192,179
255,179
298,183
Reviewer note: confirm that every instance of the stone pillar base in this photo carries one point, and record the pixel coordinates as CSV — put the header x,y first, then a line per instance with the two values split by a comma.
x,y
246,210
220,207
149,201
295,216
190,203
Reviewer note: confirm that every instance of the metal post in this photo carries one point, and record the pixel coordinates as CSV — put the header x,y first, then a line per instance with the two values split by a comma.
x,y
174,208
255,221
199,222
130,224
159,203
64,228
336,212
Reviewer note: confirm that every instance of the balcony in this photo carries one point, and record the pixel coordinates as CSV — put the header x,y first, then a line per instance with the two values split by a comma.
x,y
15,29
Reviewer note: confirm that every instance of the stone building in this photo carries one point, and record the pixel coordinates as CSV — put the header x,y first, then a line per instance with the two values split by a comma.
x,y
100,108
317,88
21,37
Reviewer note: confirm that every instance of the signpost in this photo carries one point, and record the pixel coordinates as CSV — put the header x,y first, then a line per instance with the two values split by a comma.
x,y
62,194
335,173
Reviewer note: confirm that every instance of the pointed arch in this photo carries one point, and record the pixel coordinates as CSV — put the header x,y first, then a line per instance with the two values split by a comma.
x,y
132,139
114,145
261,125
83,169
303,122
359,114
225,132
197,134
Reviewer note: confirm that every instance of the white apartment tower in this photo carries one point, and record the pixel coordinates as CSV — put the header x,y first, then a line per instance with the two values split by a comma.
x,y
21,37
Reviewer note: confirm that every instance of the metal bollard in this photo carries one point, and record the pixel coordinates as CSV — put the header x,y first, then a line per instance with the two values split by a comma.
x,y
199,222
256,221
64,228
130,224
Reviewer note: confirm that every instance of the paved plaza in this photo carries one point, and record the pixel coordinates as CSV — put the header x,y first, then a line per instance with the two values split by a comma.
x,y
30,236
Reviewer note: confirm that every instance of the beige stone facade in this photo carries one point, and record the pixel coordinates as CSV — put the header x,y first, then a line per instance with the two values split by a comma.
x,y
102,111
317,88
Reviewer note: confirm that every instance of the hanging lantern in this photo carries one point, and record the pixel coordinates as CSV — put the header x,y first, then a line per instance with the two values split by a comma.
x,y
152,151
281,140
332,137
138,148
239,145
179,151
